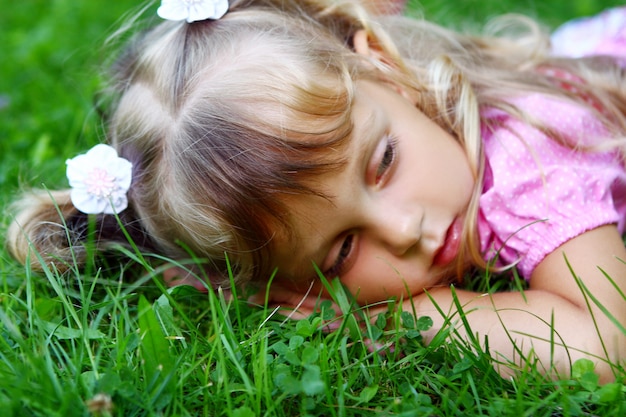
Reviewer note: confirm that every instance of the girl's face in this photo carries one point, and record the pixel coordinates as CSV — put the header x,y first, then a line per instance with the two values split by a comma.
x,y
393,220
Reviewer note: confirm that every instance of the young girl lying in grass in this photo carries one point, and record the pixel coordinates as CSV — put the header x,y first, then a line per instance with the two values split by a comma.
x,y
305,137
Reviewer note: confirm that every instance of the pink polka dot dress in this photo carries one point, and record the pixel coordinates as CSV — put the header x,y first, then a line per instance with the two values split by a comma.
x,y
538,193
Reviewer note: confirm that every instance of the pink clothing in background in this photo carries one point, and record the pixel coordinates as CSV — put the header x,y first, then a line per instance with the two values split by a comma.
x,y
601,34
537,193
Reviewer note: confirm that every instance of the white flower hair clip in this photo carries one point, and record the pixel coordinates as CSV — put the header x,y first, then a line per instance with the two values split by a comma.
x,y
99,180
192,10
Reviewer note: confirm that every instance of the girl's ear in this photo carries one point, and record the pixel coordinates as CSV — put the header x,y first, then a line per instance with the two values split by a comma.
x,y
363,46
368,47
360,42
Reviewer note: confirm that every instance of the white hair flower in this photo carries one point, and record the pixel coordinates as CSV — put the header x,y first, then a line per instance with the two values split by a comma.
x,y
99,180
192,10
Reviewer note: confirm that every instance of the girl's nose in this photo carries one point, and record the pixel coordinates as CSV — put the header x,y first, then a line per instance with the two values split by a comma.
x,y
399,229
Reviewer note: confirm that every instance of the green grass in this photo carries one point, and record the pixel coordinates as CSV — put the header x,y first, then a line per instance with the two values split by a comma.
x,y
120,344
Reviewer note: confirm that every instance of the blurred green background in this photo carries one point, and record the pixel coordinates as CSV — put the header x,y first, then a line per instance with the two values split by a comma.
x,y
53,52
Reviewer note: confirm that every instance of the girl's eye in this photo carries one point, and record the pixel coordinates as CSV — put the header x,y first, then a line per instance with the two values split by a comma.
x,y
344,253
387,159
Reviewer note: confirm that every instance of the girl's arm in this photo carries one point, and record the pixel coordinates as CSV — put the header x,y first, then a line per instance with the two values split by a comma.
x,y
554,320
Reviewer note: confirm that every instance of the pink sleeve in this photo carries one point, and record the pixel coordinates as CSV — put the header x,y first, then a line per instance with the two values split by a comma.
x,y
538,193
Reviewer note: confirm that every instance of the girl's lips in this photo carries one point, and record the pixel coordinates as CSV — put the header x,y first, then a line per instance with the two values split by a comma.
x,y
451,244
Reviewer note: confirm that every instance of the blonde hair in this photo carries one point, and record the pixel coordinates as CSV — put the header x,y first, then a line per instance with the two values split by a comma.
x,y
222,119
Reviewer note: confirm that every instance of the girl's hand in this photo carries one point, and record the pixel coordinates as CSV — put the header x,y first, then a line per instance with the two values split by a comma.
x,y
175,276
292,304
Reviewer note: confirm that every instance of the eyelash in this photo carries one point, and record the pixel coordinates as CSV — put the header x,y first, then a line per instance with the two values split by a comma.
x,y
344,253
388,158
348,242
